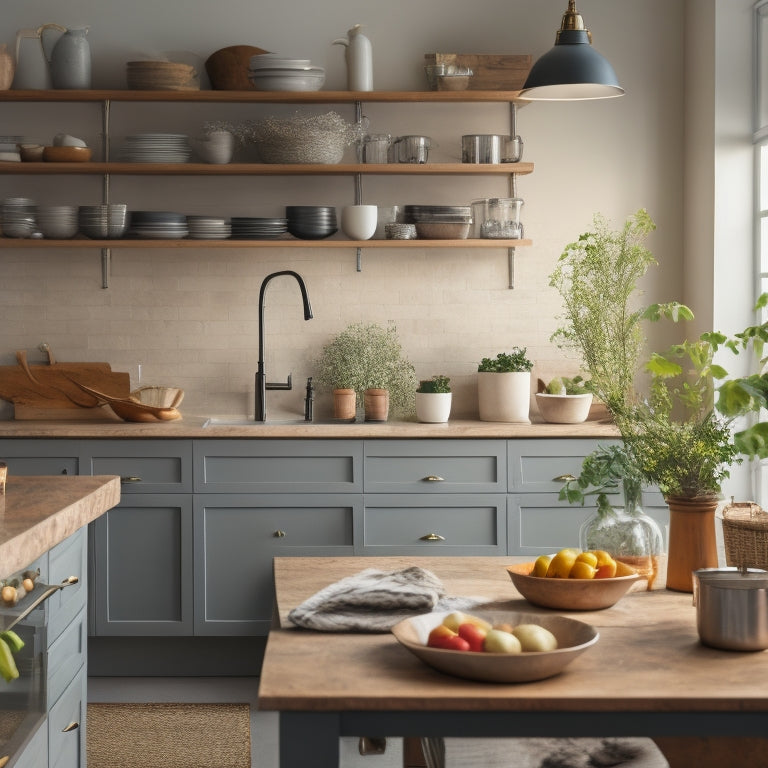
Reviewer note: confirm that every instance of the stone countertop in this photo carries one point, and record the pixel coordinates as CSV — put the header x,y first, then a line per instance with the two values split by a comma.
x,y
36,513
193,427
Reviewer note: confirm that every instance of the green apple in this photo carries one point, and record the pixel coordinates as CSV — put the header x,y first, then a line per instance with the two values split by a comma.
x,y
498,641
532,637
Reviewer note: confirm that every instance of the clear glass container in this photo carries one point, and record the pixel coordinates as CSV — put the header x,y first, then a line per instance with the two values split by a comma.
x,y
627,534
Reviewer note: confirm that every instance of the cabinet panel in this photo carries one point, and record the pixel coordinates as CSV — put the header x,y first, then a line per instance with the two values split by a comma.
x,y
435,466
278,466
70,558
65,658
142,575
539,524
35,754
41,457
144,466
236,537
453,524
533,464
66,726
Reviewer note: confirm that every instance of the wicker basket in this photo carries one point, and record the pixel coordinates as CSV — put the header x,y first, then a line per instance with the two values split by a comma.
x,y
745,535
159,397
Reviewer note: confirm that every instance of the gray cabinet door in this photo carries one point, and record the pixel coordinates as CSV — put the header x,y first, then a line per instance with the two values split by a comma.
x,y
142,575
445,524
41,457
435,466
278,466
66,725
236,537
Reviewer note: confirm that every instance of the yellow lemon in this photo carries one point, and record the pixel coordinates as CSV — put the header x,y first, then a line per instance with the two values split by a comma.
x,y
582,570
587,557
541,565
606,565
561,564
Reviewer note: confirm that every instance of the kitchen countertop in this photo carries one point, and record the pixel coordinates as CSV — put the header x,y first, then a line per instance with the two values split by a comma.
x,y
36,513
193,427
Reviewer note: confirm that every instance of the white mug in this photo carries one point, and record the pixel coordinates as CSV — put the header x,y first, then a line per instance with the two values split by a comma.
x,y
358,222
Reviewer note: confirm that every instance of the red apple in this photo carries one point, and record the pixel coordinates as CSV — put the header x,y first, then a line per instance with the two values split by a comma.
x,y
474,635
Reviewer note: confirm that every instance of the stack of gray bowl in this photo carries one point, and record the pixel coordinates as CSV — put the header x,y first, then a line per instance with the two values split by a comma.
x,y
103,222
17,217
311,222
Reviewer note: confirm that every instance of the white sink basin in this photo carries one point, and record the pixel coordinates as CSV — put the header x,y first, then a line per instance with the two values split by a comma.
x,y
248,421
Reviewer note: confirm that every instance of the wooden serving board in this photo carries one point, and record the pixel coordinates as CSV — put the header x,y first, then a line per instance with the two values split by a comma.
x,y
50,392
491,72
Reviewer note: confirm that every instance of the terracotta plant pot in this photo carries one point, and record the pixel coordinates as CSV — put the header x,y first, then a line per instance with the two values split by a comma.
x,y
504,396
692,541
376,404
433,407
344,405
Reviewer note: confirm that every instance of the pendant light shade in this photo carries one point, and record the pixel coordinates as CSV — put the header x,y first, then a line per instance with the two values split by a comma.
x,y
573,69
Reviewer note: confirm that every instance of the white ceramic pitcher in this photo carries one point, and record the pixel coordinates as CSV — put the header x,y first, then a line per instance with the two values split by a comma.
x,y
33,71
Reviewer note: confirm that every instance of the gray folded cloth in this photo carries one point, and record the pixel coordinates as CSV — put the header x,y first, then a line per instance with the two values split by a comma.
x,y
374,601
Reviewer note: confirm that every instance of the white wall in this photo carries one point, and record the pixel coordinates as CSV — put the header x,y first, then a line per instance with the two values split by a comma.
x,y
190,318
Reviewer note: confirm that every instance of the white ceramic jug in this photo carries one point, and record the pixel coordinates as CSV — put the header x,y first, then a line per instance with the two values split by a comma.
x,y
359,57
71,61
32,61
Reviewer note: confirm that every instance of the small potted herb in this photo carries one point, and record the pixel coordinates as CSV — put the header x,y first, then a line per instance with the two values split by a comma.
x,y
433,400
504,386
564,401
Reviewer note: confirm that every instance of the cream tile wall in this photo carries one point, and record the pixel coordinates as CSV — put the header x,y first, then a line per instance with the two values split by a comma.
x,y
189,317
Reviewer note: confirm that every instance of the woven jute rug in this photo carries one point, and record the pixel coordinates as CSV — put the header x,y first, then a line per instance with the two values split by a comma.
x,y
169,735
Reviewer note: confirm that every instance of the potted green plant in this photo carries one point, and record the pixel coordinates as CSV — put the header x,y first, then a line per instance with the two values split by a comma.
x,y
504,386
369,358
433,399
564,400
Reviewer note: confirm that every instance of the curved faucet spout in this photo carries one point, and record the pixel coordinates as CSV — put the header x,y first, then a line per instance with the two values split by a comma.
x,y
260,410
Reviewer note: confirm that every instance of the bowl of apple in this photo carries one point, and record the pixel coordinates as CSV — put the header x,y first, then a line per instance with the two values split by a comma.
x,y
495,646
572,580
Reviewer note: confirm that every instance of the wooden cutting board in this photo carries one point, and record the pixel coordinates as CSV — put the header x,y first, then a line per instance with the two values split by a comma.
x,y
50,392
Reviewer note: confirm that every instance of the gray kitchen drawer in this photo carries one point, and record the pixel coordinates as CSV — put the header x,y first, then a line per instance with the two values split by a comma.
x,y
453,524
236,537
533,464
278,466
35,752
66,725
66,656
144,466
539,524
435,466
41,457
69,558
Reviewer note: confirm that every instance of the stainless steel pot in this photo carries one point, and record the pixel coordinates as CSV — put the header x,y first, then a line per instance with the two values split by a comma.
x,y
491,148
732,608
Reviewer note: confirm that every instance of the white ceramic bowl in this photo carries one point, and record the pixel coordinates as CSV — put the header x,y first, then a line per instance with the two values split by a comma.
x,y
573,638
311,79
359,222
563,409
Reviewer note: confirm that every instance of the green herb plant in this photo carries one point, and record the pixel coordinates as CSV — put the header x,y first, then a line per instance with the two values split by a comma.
x,y
515,361
368,356
562,385
438,384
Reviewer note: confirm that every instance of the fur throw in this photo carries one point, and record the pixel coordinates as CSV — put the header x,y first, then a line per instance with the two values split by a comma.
x,y
374,601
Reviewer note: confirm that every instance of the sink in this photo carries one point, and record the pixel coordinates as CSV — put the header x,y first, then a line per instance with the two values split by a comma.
x,y
248,421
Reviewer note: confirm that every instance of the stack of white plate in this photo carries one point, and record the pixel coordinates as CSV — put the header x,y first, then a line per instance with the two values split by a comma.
x,y
18,217
160,76
273,72
156,148
250,228
159,225
208,228
57,222
9,150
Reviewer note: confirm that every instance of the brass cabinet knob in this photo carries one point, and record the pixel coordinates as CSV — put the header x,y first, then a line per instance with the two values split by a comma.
x,y
130,479
432,537
434,479
73,726
278,534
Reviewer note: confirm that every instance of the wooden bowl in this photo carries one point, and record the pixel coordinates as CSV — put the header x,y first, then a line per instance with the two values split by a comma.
x,y
572,594
573,638
228,67
66,154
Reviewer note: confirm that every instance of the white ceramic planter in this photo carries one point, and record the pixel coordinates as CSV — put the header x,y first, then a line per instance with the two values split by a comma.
x,y
433,407
504,396
563,409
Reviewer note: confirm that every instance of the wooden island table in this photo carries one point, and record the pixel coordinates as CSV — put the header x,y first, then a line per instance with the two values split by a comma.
x,y
648,674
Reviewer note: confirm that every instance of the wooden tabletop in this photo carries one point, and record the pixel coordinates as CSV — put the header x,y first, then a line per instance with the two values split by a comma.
x,y
648,658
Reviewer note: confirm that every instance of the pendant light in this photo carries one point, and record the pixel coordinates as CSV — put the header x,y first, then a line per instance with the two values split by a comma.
x,y
572,70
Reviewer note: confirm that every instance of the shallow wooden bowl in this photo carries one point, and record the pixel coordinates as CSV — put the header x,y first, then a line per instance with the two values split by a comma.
x,y
66,154
573,638
572,594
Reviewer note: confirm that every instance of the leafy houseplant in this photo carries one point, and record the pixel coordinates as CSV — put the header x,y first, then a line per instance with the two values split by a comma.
x,y
504,386
364,357
433,399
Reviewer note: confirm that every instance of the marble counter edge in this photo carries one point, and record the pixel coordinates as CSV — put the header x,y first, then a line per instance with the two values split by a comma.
x,y
193,427
36,513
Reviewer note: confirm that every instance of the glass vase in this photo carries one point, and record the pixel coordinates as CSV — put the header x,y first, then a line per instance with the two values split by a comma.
x,y
627,534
